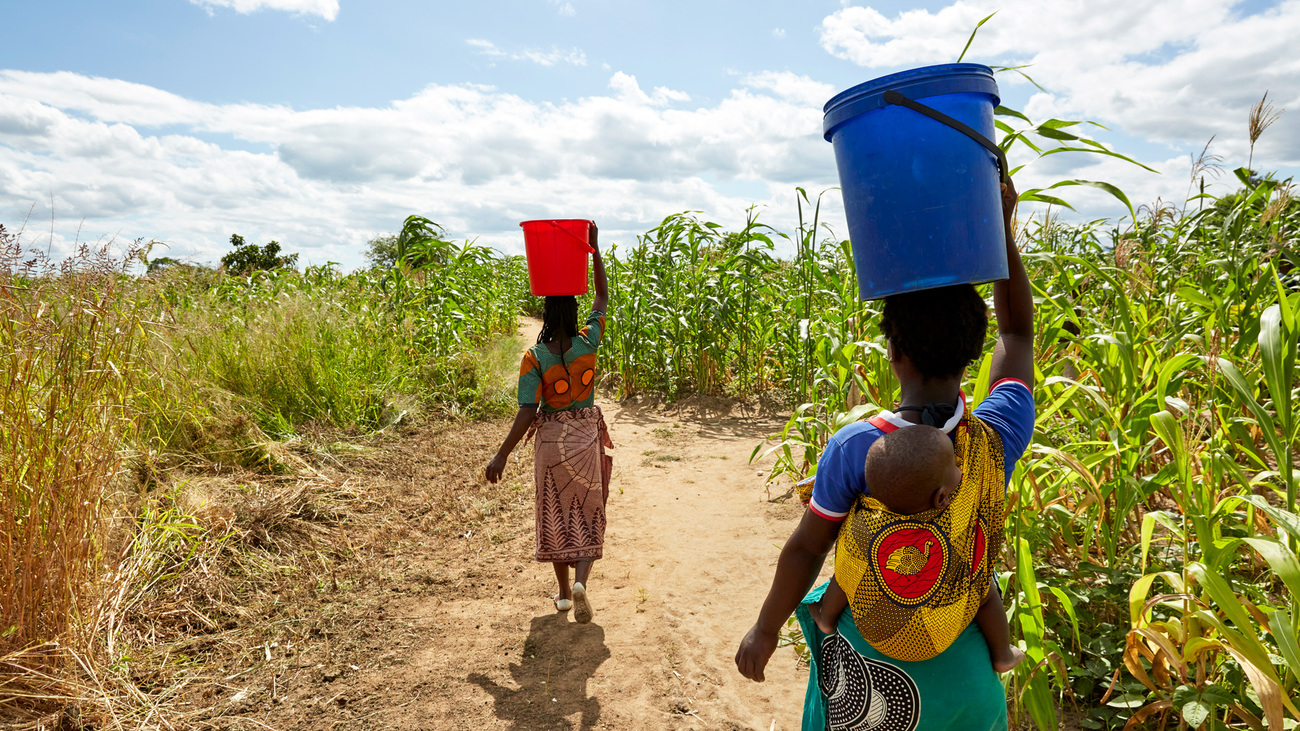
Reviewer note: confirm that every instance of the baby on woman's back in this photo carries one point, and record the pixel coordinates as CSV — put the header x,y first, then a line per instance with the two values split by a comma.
x,y
913,471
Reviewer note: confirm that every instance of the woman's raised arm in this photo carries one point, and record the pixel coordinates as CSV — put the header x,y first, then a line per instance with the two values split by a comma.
x,y
1013,302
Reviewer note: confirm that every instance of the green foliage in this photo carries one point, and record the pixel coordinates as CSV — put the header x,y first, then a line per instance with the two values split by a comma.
x,y
421,243
381,251
1152,563
162,262
248,258
698,309
286,348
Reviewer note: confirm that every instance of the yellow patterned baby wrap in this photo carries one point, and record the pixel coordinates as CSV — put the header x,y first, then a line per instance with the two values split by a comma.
x,y
914,582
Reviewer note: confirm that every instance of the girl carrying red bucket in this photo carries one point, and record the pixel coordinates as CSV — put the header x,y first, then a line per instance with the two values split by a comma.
x,y
557,380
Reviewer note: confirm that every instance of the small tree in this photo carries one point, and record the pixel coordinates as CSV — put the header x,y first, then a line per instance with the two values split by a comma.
x,y
381,251
251,257
161,263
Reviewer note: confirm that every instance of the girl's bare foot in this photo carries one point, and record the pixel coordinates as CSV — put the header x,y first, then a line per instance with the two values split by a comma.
x,y
1004,661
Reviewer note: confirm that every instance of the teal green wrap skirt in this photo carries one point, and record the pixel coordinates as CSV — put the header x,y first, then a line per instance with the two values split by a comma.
x,y
852,687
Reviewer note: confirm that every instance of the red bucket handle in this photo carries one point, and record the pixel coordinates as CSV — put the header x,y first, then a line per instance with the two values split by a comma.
x,y
575,238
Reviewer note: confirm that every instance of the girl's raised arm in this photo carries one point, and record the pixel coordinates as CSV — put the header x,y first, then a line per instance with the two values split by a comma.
x,y
601,300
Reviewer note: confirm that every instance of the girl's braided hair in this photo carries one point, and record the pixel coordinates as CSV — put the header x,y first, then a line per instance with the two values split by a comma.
x,y
559,318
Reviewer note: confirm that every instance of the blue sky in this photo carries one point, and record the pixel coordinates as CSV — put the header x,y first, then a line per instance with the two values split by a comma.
x,y
321,123
375,51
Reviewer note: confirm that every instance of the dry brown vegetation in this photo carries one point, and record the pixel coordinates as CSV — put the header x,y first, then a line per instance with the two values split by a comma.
x,y
177,504
239,585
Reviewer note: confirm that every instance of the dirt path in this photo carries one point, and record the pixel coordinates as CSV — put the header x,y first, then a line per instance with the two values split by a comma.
x,y
689,553
690,549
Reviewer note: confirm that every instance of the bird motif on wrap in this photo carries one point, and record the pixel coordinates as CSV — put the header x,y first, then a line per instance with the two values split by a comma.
x,y
908,559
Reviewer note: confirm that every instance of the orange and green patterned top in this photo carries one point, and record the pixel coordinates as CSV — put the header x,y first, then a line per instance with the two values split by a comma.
x,y
544,379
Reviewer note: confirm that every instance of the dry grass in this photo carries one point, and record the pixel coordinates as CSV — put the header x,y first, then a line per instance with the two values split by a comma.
x,y
215,567
68,346
223,577
1262,116
157,541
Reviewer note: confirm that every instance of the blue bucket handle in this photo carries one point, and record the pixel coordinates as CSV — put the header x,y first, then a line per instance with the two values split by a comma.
x,y
893,97
575,238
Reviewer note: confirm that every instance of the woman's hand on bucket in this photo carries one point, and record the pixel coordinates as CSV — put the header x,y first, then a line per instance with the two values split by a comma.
x,y
755,650
1009,199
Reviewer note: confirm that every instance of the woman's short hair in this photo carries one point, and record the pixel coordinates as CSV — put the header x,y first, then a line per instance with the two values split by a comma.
x,y
940,330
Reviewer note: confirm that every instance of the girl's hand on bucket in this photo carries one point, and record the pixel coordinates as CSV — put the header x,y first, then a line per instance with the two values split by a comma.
x,y
592,238
1009,199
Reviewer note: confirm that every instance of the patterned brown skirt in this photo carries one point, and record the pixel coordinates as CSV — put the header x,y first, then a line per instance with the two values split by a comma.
x,y
572,472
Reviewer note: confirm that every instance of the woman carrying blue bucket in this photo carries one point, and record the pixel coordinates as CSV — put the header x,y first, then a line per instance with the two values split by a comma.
x,y
907,654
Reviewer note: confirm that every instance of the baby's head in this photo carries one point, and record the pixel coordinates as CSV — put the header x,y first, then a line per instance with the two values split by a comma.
x,y
912,470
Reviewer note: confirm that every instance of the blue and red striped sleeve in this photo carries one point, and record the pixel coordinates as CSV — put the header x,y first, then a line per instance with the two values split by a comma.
x,y
841,475
1009,409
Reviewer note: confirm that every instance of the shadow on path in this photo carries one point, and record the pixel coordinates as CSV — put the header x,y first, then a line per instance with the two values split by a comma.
x,y
559,658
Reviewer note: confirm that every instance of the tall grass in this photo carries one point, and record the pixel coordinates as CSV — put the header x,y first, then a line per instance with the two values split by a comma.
x,y
109,378
69,341
697,308
243,359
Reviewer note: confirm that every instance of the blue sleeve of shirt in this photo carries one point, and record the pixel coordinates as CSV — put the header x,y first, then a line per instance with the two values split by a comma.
x,y
1009,409
840,478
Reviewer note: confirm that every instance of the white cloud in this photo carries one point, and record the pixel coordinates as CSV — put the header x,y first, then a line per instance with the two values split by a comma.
x,y
787,85
778,32
141,162
564,8
1170,71
630,91
573,56
327,9
487,48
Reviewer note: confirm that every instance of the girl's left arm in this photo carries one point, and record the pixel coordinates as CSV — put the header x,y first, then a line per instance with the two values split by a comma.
x,y
601,300
523,420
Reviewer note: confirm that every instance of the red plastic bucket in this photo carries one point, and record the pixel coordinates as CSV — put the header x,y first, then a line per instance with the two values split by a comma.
x,y
557,252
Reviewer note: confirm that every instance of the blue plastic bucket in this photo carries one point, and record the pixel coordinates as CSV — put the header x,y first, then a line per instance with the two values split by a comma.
x,y
922,198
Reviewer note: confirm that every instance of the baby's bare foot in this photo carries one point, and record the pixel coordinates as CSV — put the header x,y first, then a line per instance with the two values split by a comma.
x,y
824,623
1003,662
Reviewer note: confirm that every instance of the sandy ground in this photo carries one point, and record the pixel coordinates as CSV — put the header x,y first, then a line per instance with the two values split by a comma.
x,y
690,549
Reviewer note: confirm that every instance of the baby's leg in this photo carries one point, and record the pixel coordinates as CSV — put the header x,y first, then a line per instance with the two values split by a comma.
x,y
826,613
992,621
